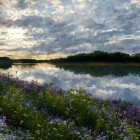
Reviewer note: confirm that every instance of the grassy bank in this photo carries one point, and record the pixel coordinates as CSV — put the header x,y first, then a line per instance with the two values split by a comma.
x,y
47,112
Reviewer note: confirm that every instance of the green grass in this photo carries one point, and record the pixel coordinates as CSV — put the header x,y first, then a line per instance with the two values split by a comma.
x,y
51,113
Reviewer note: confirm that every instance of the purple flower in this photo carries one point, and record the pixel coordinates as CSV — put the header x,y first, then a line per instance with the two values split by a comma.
x,y
52,91
106,117
27,104
44,104
45,112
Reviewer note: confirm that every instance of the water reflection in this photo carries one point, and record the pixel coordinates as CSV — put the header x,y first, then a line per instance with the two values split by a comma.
x,y
102,69
103,81
5,66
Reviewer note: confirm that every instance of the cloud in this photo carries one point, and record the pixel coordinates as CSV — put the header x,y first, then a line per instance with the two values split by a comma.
x,y
21,4
74,26
2,43
34,21
6,23
1,3
135,2
129,22
91,24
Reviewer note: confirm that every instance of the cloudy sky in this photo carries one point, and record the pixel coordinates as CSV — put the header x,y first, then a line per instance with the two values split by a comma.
x,y
46,29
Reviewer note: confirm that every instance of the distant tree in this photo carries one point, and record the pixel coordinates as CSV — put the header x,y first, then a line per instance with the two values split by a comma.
x,y
5,60
100,56
28,60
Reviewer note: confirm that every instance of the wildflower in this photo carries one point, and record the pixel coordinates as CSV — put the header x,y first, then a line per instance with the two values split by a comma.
x,y
27,104
54,129
52,91
55,122
70,100
102,119
64,122
106,117
74,92
21,122
37,132
71,107
119,115
44,104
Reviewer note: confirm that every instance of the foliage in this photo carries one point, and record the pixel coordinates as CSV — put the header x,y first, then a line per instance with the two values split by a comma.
x,y
100,56
51,113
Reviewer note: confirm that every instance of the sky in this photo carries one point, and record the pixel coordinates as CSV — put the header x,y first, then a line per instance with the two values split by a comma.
x,y
45,29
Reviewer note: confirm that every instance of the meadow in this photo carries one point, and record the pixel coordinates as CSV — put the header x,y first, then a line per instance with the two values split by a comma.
x,y
43,111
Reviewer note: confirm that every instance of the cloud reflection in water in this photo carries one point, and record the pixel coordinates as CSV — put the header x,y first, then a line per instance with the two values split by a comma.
x,y
108,86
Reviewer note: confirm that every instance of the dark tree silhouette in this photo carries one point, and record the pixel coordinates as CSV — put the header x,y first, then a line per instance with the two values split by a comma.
x,y
100,56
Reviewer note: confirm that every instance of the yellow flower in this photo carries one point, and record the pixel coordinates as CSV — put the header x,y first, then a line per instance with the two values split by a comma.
x,y
102,119
54,129
21,122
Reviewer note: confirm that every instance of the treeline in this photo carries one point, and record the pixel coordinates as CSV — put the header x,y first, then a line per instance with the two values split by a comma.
x,y
5,60
29,61
8,60
100,56
25,60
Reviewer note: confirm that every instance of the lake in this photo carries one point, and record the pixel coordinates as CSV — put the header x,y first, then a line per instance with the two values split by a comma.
x,y
106,81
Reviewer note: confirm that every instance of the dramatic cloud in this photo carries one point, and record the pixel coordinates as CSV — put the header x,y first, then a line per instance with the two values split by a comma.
x,y
69,26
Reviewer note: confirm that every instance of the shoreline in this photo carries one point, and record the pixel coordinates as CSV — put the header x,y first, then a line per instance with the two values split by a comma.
x,y
95,63
65,112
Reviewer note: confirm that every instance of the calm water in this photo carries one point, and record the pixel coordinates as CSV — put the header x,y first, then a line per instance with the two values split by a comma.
x,y
115,81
